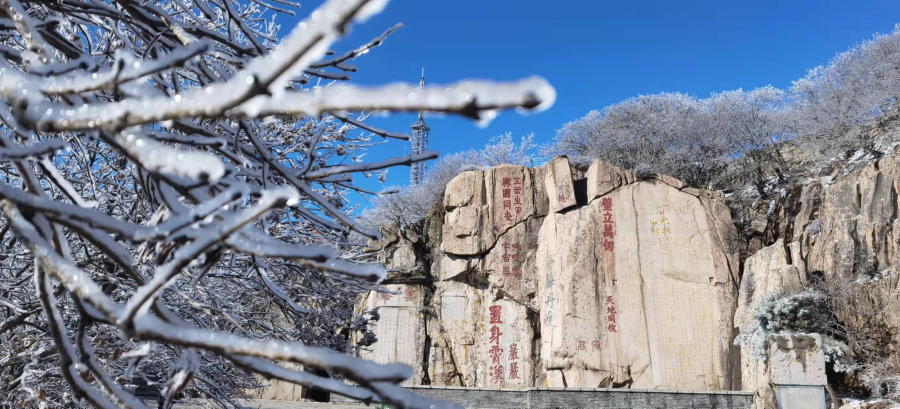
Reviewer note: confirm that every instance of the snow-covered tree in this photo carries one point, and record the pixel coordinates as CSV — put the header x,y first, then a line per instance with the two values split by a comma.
x,y
809,311
676,134
694,138
855,86
173,177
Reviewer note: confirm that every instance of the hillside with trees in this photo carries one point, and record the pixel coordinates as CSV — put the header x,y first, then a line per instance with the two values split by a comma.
x,y
743,142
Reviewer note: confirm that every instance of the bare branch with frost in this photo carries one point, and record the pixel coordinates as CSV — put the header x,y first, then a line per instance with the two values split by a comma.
x,y
174,199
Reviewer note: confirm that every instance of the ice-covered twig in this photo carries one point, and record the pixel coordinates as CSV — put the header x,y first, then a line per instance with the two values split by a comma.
x,y
218,189
271,370
278,292
470,99
38,149
158,157
130,70
338,61
25,24
368,167
149,327
213,234
345,117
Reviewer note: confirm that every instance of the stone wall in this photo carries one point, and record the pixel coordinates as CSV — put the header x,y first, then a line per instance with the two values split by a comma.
x,y
559,398
401,327
558,277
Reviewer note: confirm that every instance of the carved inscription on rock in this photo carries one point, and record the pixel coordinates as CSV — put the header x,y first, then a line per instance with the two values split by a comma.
x,y
398,329
649,283
506,345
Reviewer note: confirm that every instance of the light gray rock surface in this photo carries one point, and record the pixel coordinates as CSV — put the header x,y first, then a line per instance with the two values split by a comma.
x,y
555,277
638,289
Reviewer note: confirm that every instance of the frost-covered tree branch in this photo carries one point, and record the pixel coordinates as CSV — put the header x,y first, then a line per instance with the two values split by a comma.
x,y
173,178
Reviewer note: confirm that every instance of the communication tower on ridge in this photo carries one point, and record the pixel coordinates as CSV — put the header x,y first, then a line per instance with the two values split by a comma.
x,y
419,143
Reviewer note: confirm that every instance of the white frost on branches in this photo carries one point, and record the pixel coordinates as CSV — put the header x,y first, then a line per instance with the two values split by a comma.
x,y
694,138
174,199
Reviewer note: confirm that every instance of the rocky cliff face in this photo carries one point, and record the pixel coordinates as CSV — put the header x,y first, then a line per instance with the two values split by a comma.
x,y
841,230
643,273
557,277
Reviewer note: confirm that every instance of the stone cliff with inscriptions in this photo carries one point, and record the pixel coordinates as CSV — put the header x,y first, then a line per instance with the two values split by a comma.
x,y
560,277
638,285
594,277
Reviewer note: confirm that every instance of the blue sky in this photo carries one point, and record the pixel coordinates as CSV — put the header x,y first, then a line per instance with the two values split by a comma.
x,y
597,53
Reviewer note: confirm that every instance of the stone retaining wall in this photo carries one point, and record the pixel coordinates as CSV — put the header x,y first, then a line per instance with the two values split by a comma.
x,y
561,398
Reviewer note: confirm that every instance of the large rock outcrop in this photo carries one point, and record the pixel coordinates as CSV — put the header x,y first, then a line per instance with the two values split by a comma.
x,y
638,286
766,272
843,230
483,334
554,276
400,328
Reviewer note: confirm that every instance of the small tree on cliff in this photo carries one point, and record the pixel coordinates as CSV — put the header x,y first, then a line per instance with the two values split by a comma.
x,y
408,205
173,189
857,335
808,311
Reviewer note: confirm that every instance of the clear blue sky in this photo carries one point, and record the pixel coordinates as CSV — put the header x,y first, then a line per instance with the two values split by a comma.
x,y
596,53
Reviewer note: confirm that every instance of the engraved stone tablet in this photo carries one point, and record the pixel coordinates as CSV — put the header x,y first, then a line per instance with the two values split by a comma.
x,y
801,397
453,307
797,359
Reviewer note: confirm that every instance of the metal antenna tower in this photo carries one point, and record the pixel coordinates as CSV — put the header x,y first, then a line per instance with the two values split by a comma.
x,y
419,143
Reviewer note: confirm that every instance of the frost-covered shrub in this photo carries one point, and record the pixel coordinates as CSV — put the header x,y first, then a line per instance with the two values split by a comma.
x,y
809,311
882,378
676,134
856,85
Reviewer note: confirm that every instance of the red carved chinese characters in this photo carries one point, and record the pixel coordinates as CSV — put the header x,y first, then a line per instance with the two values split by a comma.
x,y
611,314
411,294
514,362
497,373
495,314
495,335
496,369
507,199
517,196
511,197
511,257
496,353
595,345
582,345
609,225
513,370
